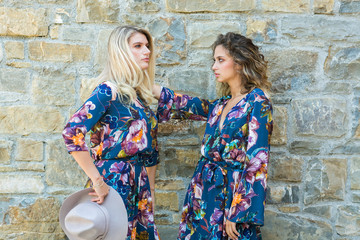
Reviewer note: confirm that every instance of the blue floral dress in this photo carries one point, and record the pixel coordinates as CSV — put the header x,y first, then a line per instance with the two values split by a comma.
x,y
229,182
123,142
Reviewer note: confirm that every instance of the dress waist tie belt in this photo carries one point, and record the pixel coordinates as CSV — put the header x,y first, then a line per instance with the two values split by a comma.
x,y
214,172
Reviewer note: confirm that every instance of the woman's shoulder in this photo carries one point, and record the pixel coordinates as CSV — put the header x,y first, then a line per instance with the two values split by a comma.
x,y
258,95
107,88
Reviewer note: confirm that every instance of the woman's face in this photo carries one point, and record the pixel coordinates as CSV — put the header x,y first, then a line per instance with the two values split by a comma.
x,y
224,66
139,47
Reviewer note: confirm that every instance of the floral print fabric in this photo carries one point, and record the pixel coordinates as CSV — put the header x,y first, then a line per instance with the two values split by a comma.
x,y
123,142
229,182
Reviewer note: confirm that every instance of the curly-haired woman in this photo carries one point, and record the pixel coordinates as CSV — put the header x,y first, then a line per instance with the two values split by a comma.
x,y
226,196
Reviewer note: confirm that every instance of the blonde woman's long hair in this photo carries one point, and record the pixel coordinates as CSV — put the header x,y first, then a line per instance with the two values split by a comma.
x,y
246,54
121,69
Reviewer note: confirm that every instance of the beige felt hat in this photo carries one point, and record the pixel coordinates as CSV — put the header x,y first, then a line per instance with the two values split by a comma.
x,y
82,219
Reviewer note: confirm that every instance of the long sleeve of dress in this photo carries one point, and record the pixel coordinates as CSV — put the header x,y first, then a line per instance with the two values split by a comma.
x,y
250,185
180,106
86,117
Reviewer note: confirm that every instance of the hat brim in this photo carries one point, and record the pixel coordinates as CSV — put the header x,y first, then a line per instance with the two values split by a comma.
x,y
118,224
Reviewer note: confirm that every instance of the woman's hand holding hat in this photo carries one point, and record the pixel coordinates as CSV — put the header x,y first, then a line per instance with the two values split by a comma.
x,y
101,190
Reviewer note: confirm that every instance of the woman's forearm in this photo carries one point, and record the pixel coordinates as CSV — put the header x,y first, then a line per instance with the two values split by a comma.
x,y
156,91
86,163
152,174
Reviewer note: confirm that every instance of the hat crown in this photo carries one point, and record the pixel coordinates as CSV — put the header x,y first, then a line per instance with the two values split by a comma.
x,y
82,219
88,221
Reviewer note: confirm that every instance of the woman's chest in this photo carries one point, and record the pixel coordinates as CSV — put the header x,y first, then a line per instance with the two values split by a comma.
x,y
227,121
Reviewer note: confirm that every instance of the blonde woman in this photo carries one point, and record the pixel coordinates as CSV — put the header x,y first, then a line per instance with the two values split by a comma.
x,y
123,130
226,196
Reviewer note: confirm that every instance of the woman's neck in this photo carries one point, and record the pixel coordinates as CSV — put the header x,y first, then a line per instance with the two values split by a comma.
x,y
236,88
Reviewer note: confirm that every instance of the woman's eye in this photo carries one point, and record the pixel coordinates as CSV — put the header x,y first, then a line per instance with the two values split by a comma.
x,y
138,46
221,60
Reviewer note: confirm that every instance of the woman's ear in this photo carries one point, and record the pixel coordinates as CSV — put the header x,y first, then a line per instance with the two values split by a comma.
x,y
238,68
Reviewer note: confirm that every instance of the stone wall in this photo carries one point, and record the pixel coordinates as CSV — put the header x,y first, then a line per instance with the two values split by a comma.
x,y
51,49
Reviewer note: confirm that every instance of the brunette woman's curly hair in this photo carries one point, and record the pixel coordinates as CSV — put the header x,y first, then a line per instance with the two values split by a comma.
x,y
246,54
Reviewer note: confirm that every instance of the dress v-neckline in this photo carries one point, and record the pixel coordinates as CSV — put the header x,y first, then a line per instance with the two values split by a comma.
x,y
220,125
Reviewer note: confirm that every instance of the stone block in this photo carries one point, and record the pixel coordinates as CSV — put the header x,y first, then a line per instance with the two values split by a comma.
x,y
39,220
78,34
188,82
166,185
167,200
38,120
1,53
29,150
289,209
198,38
338,87
14,80
347,222
30,166
86,88
348,148
62,16
162,219
298,6
291,70
144,6
199,128
97,11
318,30
279,134
324,6
174,127
261,30
343,64
320,211
320,117
355,173
54,31
283,168
62,171
170,40
349,7
53,87
334,178
188,157
282,194
357,131
23,22
8,168
44,2
305,147
58,52
356,197
5,151
169,232
179,163
14,50
187,141
285,226
101,49
20,184
191,6
19,64
325,180
200,58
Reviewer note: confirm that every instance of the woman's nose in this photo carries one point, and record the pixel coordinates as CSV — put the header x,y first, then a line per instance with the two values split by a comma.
x,y
213,66
147,51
